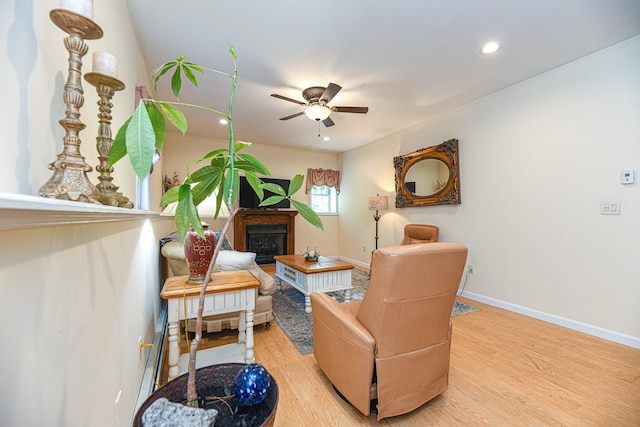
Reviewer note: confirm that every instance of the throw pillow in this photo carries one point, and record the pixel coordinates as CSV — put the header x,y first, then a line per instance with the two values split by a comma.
x,y
268,283
226,245
234,260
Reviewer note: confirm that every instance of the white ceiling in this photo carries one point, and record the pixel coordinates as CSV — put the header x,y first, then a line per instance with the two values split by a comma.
x,y
405,60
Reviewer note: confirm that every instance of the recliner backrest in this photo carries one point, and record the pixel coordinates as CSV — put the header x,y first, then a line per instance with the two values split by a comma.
x,y
408,303
420,233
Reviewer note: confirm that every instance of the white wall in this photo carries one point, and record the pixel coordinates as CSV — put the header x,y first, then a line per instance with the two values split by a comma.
x,y
283,162
74,299
536,160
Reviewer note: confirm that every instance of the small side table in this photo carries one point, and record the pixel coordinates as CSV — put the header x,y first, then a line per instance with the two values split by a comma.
x,y
228,291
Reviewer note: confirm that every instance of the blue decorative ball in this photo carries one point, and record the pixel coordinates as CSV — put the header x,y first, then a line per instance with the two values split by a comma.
x,y
251,384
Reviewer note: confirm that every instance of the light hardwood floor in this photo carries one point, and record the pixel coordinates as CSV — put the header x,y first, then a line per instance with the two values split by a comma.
x,y
506,370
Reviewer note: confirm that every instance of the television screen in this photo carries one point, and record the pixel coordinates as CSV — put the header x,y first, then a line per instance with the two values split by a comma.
x,y
248,198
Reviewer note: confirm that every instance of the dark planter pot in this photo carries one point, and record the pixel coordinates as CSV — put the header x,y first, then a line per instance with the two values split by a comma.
x,y
217,380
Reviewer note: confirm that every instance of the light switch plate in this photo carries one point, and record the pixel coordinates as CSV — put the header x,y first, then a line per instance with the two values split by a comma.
x,y
611,207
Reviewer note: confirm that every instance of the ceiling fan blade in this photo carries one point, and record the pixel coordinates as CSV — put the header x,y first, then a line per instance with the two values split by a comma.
x,y
330,92
328,122
275,95
361,110
292,116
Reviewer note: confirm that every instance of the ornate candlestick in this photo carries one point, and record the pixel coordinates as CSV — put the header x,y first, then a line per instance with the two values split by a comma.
x,y
106,86
69,180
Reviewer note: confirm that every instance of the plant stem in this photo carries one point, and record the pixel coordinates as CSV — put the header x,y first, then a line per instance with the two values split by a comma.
x,y
192,395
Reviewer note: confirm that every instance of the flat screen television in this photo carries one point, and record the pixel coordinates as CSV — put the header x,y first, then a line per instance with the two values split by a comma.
x,y
248,199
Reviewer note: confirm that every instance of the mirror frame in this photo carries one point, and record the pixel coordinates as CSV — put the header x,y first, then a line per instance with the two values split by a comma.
x,y
447,152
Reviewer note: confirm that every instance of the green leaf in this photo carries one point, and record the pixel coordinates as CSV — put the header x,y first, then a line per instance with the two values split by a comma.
x,y
193,66
176,82
308,214
158,123
295,184
190,75
205,188
174,114
205,173
140,141
219,201
232,51
255,183
186,213
160,71
247,161
239,145
170,196
272,200
214,153
274,188
119,146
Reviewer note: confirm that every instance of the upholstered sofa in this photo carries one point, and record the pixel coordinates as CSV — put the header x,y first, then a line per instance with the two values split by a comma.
x,y
227,260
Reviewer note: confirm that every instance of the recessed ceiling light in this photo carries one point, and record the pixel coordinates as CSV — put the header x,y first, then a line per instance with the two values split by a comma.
x,y
326,138
223,121
489,48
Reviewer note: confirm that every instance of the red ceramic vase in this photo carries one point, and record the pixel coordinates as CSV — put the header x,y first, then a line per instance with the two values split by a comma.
x,y
198,253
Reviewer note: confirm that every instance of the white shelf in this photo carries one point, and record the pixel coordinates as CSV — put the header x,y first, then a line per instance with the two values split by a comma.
x,y
19,211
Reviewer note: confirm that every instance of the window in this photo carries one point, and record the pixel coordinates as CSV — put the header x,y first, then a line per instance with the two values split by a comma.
x,y
323,199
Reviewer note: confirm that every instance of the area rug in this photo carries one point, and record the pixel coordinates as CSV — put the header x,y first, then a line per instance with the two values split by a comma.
x,y
288,309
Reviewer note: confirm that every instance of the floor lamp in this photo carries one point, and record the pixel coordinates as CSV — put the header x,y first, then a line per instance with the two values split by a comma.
x,y
378,203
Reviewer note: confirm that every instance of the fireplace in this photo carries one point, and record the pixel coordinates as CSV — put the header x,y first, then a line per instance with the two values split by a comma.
x,y
267,241
265,232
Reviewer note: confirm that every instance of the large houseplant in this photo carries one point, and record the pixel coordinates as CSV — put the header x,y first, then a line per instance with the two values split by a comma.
x,y
144,132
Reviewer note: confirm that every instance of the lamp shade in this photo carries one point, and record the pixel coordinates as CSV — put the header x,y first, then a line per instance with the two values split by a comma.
x,y
206,209
317,112
378,203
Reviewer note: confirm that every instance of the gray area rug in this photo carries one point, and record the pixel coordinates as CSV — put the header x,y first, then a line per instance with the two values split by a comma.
x,y
288,309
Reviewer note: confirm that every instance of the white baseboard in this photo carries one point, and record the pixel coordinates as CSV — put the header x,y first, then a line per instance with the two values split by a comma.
x,y
354,262
596,331
153,365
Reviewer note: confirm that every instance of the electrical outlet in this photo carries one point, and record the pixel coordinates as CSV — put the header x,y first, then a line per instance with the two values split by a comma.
x,y
471,269
364,249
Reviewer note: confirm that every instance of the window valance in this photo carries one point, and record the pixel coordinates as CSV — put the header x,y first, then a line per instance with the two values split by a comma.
x,y
322,177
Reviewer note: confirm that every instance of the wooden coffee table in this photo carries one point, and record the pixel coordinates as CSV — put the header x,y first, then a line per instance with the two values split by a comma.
x,y
325,275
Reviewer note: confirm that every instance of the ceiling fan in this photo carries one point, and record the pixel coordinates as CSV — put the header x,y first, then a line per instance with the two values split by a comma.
x,y
317,98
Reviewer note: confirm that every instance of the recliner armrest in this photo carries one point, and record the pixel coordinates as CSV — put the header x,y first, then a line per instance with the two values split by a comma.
x,y
343,348
341,318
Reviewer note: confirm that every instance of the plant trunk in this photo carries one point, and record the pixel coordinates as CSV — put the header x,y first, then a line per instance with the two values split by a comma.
x,y
192,395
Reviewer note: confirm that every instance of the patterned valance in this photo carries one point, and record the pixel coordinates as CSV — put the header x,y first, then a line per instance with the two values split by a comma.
x,y
322,177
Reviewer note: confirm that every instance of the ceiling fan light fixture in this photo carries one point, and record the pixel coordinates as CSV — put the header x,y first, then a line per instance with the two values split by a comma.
x,y
317,112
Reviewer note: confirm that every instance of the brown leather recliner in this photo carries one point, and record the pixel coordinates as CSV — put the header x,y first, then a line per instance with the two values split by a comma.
x,y
401,330
420,233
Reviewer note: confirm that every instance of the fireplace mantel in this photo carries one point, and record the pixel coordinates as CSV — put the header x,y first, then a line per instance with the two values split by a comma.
x,y
263,217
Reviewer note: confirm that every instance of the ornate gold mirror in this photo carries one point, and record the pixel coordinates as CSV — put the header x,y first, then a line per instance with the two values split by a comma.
x,y
429,176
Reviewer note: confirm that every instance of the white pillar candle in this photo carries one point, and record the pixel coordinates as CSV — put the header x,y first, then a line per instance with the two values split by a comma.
x,y
105,63
82,7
